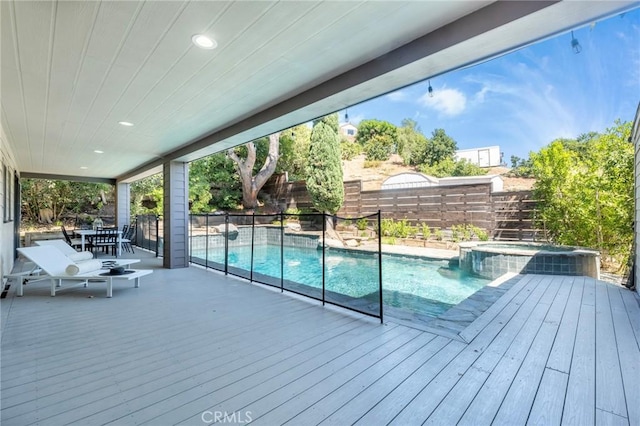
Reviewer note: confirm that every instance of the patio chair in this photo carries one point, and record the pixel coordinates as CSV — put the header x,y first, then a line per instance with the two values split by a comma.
x,y
59,268
75,242
127,235
105,239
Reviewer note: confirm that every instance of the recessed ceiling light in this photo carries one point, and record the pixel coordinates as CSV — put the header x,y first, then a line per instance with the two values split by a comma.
x,y
125,123
97,151
204,42
84,167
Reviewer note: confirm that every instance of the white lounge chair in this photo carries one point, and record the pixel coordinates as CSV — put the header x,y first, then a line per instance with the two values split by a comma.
x,y
56,266
66,249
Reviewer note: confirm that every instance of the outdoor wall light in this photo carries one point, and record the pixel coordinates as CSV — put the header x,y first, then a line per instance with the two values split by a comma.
x,y
575,45
430,90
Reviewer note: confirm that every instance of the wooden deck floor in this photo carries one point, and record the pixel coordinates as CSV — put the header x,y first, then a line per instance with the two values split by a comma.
x,y
190,347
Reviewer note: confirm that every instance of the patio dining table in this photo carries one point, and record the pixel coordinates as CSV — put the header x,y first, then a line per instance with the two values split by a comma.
x,y
83,233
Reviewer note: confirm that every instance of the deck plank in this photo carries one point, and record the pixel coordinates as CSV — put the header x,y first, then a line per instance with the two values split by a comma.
x,y
215,376
632,304
486,404
431,357
469,333
263,378
579,406
562,351
628,351
309,407
451,409
285,387
606,418
518,401
549,402
389,408
278,411
609,388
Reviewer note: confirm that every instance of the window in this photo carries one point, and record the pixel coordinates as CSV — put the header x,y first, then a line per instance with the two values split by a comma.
x,y
351,132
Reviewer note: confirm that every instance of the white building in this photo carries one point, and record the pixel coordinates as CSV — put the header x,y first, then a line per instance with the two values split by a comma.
x,y
484,157
348,130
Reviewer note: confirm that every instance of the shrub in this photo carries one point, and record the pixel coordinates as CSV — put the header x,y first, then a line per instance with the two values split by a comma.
x,y
402,229
371,164
350,149
388,240
378,148
362,223
388,227
426,231
438,234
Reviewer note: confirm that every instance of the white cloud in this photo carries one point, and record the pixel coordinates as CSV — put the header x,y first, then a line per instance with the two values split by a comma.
x,y
446,101
398,96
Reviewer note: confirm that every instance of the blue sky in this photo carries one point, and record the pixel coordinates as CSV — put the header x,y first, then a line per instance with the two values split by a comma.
x,y
524,100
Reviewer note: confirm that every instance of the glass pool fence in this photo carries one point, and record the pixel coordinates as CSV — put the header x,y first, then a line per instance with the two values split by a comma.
x,y
312,254
147,234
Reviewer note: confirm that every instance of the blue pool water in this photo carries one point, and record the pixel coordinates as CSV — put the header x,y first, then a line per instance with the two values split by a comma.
x,y
427,287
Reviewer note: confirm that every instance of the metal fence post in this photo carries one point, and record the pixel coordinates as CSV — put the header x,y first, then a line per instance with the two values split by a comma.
x,y
157,234
380,263
206,244
253,231
281,252
324,231
226,243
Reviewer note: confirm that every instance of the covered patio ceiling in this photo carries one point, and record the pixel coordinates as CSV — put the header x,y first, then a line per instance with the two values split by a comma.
x,y
72,70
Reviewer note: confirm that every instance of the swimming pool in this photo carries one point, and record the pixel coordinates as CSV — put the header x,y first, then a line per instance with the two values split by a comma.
x,y
424,286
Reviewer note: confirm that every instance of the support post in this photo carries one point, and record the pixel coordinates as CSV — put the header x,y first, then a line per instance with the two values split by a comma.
x,y
123,204
176,214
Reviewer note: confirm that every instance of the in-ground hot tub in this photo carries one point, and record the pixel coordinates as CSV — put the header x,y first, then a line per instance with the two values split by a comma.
x,y
493,259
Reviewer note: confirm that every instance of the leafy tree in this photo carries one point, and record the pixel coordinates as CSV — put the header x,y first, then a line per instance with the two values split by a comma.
x,y
367,129
150,187
585,188
411,142
294,149
349,149
324,168
378,148
330,120
252,184
62,197
439,147
521,167
213,184
377,132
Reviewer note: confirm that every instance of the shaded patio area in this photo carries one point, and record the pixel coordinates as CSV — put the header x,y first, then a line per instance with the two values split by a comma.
x,y
191,346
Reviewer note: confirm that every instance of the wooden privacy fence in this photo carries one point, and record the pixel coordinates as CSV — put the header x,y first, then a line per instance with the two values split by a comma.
x,y
505,215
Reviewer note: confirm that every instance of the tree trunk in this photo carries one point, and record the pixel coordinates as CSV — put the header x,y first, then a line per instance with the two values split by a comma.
x,y
330,231
251,185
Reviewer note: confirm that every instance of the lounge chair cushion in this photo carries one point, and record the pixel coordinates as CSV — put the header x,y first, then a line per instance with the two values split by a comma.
x,y
80,256
83,267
